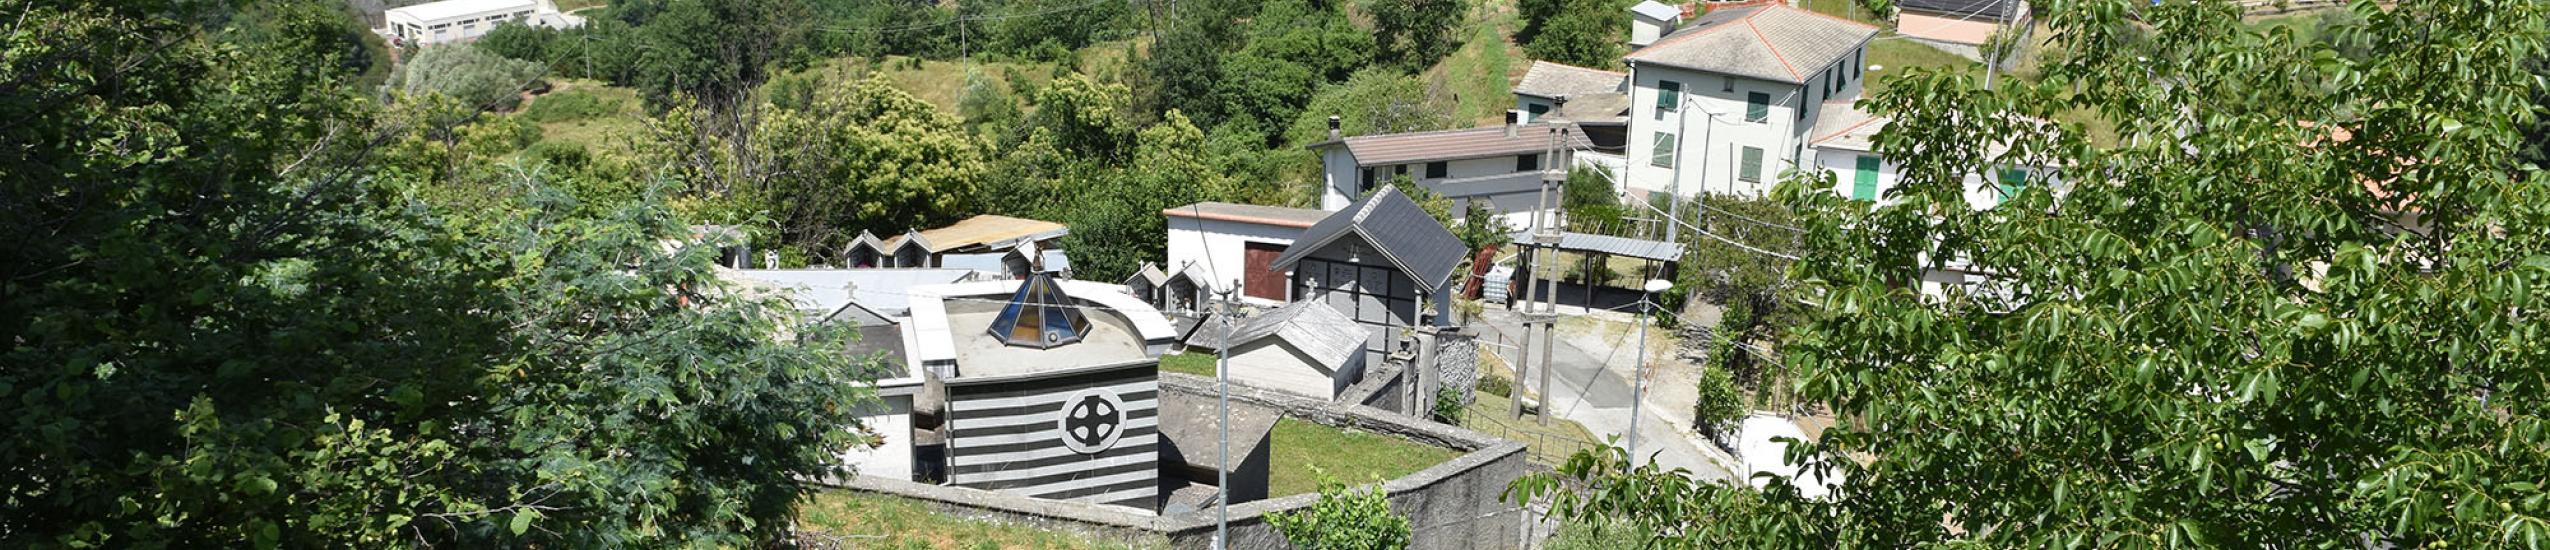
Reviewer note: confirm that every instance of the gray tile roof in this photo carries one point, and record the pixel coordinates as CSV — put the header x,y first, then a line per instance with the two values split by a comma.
x,y
1402,231
1552,80
1763,41
1842,126
1471,143
1313,327
1250,213
1978,9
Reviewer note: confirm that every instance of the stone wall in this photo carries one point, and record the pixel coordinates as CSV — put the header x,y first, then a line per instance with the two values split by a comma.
x,y
1456,362
1379,388
1453,505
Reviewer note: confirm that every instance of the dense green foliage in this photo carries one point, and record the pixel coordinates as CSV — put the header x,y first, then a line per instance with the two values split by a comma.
x,y
1413,34
464,73
233,323
2226,329
1721,405
1590,204
1584,33
859,155
1344,519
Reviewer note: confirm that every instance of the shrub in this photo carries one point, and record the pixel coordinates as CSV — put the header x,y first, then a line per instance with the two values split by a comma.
x,y
1497,385
570,105
1448,405
1720,405
1343,519
474,77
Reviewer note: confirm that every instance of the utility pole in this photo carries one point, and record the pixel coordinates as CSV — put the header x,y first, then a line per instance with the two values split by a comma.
x,y
2000,24
1638,385
1681,134
1222,371
1548,238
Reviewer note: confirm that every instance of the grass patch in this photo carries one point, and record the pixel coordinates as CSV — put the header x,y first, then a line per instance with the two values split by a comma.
x,y
1478,78
573,5
1546,444
863,520
1195,363
603,118
1846,9
1304,451
1897,56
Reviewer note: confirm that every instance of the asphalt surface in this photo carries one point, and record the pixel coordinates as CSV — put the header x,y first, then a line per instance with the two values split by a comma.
x,y
1591,386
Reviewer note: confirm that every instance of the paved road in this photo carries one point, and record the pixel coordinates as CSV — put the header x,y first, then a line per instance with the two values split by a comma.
x,y
1593,390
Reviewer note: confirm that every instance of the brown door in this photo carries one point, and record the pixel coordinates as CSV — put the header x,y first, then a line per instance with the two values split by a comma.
x,y
1263,281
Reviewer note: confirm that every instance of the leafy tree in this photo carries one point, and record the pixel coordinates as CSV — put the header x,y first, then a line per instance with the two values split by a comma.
x,y
227,331
1412,34
1114,228
1182,70
1345,519
1749,277
1316,35
989,109
1721,405
2226,329
1374,101
1052,29
714,52
1584,33
464,73
863,155
1590,204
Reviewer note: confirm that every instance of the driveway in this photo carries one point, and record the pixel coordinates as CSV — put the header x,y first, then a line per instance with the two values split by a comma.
x,y
1590,385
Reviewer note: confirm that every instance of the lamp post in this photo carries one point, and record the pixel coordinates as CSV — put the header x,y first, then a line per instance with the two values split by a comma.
x,y
1638,386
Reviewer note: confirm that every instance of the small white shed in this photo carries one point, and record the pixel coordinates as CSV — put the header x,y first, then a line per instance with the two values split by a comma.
x,y
1306,348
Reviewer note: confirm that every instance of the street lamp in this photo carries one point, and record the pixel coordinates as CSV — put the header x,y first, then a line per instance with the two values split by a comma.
x,y
1638,385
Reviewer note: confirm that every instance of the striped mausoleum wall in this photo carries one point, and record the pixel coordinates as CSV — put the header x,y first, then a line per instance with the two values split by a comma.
x,y
1084,435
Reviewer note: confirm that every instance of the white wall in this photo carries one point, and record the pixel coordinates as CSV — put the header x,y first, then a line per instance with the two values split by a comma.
x,y
1219,248
1268,363
1339,167
1713,144
891,418
406,25
1844,165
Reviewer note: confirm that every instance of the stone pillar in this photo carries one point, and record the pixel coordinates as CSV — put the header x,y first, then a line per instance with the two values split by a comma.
x,y
1456,362
1429,380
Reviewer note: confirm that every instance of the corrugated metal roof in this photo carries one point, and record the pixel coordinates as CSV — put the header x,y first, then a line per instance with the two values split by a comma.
x,y
826,290
1402,231
447,9
1606,244
1248,213
1764,41
1415,147
1976,9
1552,80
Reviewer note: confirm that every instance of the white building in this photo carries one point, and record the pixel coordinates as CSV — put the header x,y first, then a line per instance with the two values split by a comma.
x,y
1501,166
1305,348
1733,93
1844,145
463,20
1227,244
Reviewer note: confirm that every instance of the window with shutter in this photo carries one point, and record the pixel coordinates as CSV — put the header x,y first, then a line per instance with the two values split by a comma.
x,y
1752,169
1661,154
1864,181
1668,96
2012,181
1437,169
1757,107
1527,163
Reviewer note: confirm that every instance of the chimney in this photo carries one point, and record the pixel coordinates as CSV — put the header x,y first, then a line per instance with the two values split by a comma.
x,y
1333,123
1513,118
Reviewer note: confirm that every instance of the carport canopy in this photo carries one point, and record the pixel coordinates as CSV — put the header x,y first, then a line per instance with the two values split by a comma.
x,y
1643,249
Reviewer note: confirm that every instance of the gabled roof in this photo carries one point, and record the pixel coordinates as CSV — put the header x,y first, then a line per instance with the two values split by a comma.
x,y
895,244
1149,274
1659,11
866,239
1963,9
1767,41
990,230
1552,80
1845,127
1313,327
1248,213
1445,145
1393,225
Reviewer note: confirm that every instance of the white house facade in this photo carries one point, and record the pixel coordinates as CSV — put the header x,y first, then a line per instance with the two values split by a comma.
x,y
463,20
1500,167
1231,244
1729,99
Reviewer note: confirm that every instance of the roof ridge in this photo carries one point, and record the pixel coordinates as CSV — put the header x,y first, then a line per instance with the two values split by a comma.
x,y
1838,133
1567,66
1769,45
1677,37
1499,128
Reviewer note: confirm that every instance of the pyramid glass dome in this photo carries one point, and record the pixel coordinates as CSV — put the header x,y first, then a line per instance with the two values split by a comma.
x,y
1040,316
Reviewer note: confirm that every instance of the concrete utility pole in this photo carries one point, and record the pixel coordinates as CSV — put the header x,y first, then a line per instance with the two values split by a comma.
x,y
1222,371
1638,386
1681,134
1547,239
